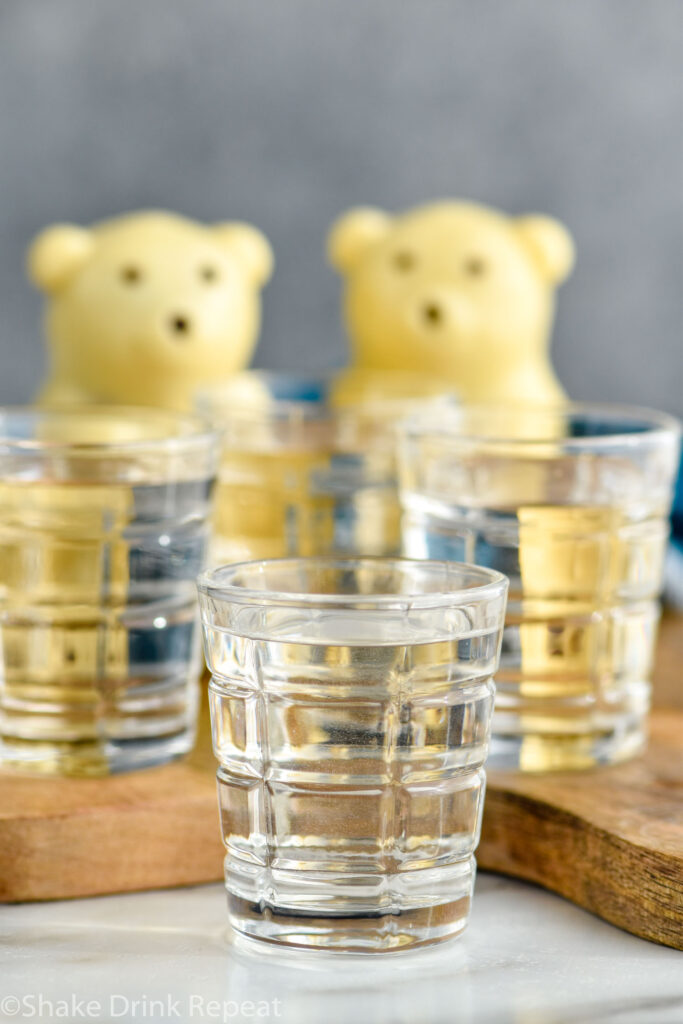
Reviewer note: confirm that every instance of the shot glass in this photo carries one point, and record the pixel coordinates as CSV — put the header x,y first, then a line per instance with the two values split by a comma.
x,y
104,520
308,464
572,505
350,705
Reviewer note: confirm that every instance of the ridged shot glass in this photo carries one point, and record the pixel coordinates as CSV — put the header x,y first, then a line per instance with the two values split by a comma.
x,y
308,462
572,504
104,522
351,703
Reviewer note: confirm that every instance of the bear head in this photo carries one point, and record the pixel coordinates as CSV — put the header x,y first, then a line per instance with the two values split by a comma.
x,y
146,308
454,289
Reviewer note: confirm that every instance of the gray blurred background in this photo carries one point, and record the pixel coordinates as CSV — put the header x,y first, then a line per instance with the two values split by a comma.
x,y
285,112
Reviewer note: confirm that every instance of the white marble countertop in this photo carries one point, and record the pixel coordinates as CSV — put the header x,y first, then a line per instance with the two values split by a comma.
x,y
527,957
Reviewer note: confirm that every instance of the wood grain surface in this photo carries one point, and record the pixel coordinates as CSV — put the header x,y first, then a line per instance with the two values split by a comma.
x,y
667,691
85,837
610,839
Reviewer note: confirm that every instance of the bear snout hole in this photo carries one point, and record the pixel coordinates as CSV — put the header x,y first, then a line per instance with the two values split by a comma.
x,y
180,324
432,314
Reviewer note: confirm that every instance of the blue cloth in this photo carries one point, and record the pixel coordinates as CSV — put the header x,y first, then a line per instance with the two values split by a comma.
x,y
677,512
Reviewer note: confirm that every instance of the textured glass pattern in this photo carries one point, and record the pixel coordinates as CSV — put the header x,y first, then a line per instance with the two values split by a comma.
x,y
578,522
307,469
351,743
103,529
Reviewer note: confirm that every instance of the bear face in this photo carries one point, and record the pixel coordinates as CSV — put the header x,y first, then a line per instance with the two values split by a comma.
x,y
146,308
457,290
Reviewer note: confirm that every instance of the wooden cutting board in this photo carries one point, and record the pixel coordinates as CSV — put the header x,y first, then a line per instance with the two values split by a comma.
x,y
610,839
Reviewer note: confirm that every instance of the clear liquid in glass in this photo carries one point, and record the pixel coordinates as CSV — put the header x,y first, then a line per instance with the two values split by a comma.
x,y
271,504
573,685
351,778
100,642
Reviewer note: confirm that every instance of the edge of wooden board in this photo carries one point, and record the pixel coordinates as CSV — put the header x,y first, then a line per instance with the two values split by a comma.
x,y
624,878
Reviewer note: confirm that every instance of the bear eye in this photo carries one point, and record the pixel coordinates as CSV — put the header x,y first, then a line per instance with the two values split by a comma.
x,y
475,266
208,273
131,274
404,260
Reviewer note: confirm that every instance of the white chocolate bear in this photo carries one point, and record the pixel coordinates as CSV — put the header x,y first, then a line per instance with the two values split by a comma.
x,y
146,308
456,290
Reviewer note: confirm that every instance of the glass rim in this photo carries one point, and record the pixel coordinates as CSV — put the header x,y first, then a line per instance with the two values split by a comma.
x,y
304,410
199,433
488,583
656,425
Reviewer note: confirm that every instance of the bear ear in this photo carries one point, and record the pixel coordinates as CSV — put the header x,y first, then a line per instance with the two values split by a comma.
x,y
250,246
353,232
551,245
56,254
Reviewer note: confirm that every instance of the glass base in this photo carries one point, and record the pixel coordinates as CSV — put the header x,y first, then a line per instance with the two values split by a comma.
x,y
548,752
355,933
90,759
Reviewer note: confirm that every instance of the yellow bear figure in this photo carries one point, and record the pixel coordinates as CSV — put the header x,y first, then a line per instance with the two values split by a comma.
x,y
457,290
146,308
